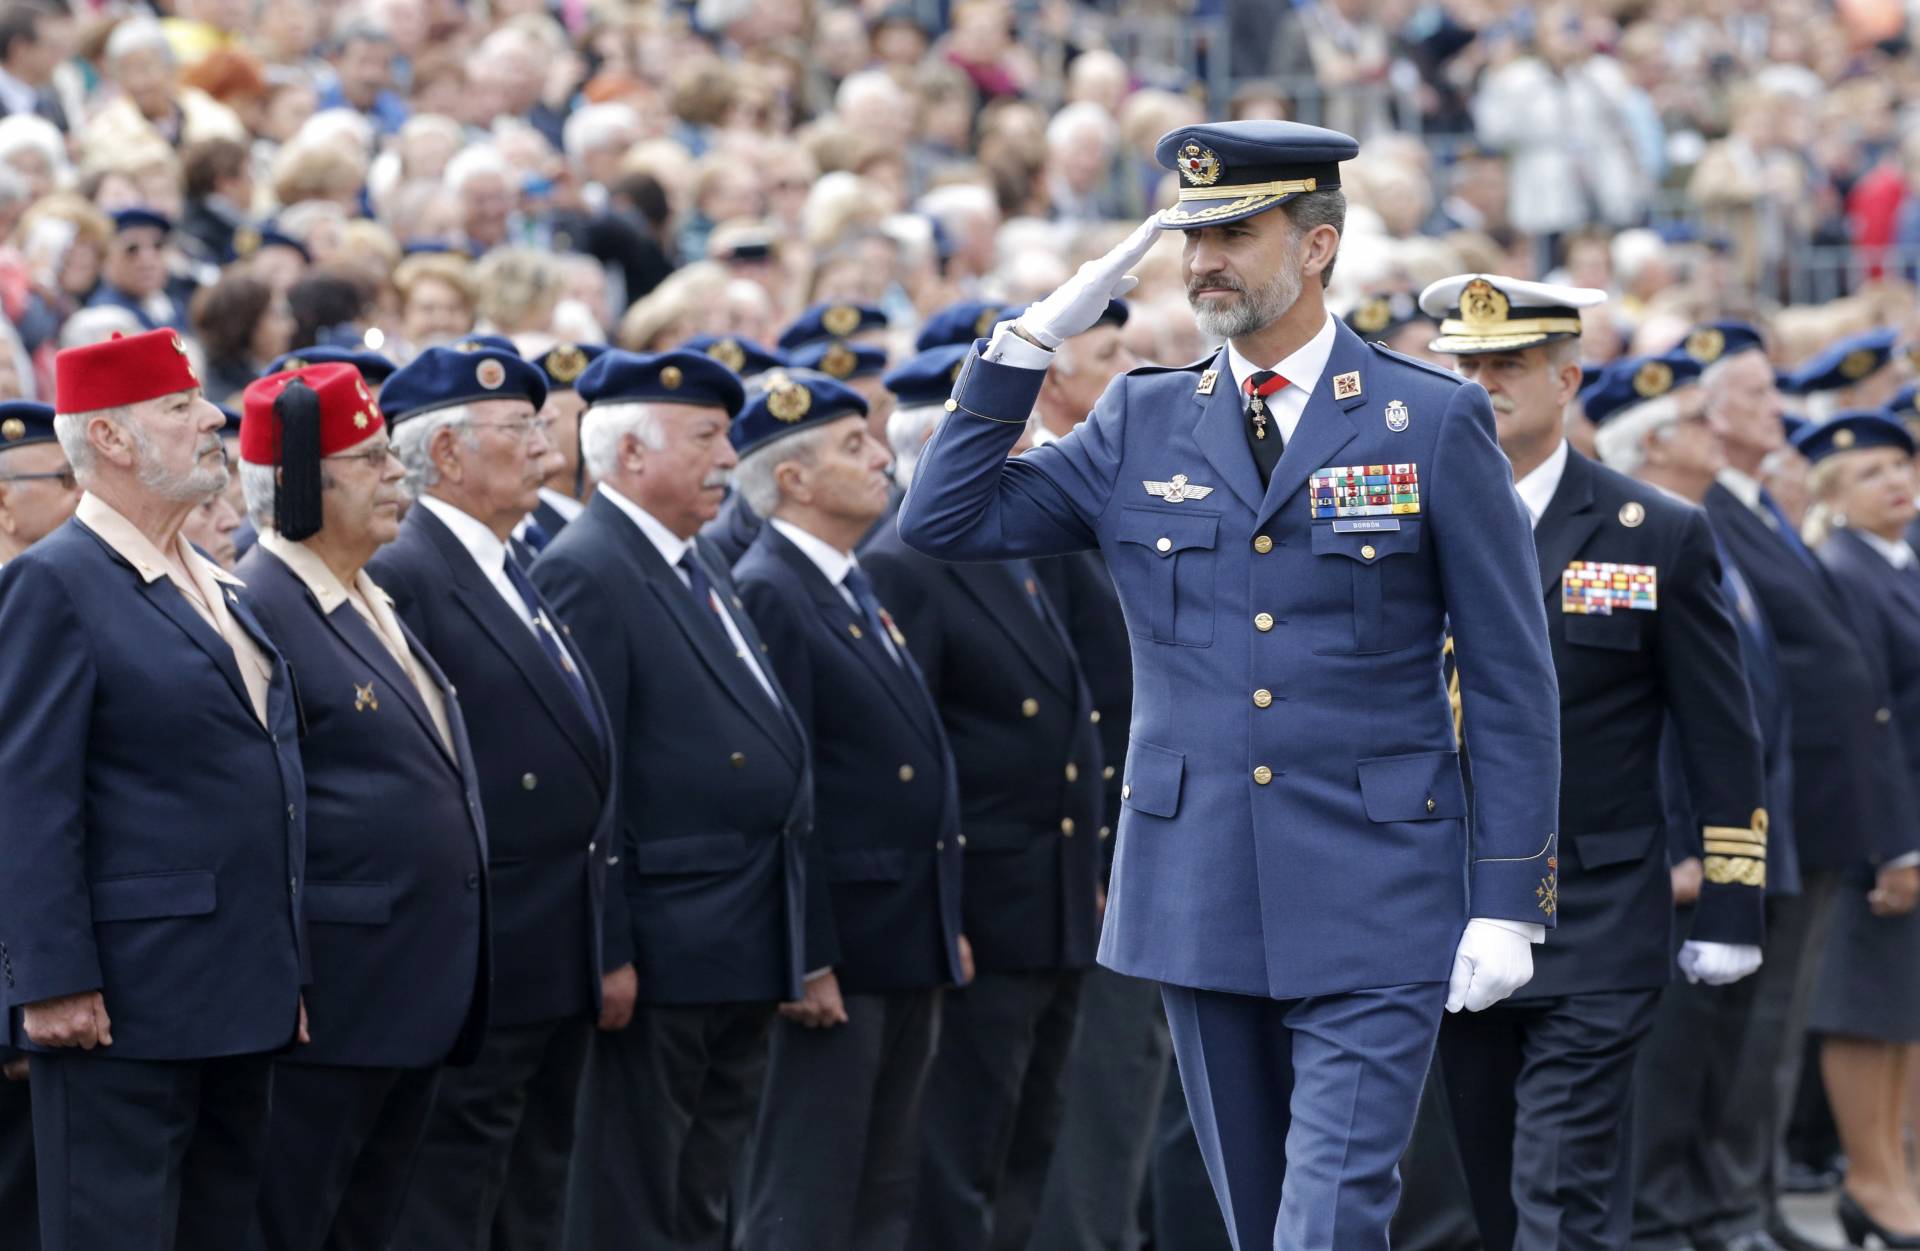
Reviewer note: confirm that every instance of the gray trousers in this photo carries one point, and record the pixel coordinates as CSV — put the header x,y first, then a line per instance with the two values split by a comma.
x,y
837,1152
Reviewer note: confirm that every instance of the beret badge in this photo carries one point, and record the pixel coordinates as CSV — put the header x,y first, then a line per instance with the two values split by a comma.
x,y
12,429
1373,315
729,353
1199,165
490,374
566,362
1652,379
1482,306
787,400
841,319
1706,344
1857,365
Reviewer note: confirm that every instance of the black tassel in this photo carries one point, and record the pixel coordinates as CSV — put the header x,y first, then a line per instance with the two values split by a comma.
x,y
296,501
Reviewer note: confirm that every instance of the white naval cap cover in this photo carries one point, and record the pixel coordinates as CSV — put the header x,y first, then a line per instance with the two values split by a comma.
x,y
1491,313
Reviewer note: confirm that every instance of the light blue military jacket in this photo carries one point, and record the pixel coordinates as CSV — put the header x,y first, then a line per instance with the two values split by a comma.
x,y
1294,820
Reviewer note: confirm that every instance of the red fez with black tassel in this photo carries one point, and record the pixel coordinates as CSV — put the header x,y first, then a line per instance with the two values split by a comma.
x,y
296,500
293,420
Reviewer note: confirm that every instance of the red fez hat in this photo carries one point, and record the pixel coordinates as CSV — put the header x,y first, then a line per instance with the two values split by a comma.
x,y
125,369
294,418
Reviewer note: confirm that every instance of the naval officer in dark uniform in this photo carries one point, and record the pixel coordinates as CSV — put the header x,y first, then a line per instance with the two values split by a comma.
x,y
1538,1087
1290,523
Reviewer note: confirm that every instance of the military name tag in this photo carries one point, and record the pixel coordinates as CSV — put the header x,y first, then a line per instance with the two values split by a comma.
x,y
1364,491
1360,525
1597,588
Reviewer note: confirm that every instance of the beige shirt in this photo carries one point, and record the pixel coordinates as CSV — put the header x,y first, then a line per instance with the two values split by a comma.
x,y
374,607
204,586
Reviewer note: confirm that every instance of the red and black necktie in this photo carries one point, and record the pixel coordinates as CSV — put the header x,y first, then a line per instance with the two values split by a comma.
x,y
1263,426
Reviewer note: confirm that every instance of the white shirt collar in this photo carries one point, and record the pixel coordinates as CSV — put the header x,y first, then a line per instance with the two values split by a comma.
x,y
829,559
567,506
482,544
1537,488
1897,552
1302,369
1744,486
671,546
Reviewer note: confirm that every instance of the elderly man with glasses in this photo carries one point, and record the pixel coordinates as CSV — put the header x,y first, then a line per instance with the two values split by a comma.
x,y
38,490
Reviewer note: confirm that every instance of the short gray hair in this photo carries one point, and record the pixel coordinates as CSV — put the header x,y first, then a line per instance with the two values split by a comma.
x,y
412,441
1622,442
71,430
260,484
1312,209
604,427
756,476
908,430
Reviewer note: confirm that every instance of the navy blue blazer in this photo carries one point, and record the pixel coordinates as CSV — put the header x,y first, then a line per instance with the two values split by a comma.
x,y
886,807
1020,717
715,786
732,532
1294,818
1623,675
545,770
396,852
154,831
1083,594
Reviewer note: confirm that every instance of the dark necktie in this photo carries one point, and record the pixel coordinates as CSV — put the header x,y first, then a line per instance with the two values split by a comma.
x,y
535,535
861,588
1263,427
699,585
543,630
1788,534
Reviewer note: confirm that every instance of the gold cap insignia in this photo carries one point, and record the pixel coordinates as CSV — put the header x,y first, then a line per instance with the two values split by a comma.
x,y
361,421
839,361
729,353
983,324
246,241
12,428
1632,513
1482,306
490,374
1857,365
1652,379
1706,344
1198,165
787,400
1373,315
671,377
1843,439
566,362
841,320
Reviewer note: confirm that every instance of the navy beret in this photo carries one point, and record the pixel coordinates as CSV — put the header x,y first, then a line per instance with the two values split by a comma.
x,y
840,360
1853,431
1905,404
1793,425
442,377
674,377
1716,339
824,322
131,218
492,342
742,356
373,367
23,422
1633,380
563,363
250,239
1842,364
788,401
1383,316
928,377
959,323
1232,170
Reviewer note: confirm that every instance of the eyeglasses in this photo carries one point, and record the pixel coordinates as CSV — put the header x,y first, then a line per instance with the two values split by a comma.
x,y
522,429
63,476
375,456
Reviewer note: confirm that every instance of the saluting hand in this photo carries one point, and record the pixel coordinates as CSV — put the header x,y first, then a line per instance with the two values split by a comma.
x,y
1077,303
69,1021
821,1005
1895,891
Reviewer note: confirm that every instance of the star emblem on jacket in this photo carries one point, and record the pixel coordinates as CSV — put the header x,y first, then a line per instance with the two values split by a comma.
x,y
1176,489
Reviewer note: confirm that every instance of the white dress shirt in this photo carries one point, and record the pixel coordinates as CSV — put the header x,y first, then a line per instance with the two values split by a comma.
x,y
833,564
1537,488
486,549
567,506
1745,488
1896,552
1302,371
671,547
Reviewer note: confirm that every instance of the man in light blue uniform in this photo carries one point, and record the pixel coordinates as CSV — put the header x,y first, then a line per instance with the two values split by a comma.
x,y
1292,525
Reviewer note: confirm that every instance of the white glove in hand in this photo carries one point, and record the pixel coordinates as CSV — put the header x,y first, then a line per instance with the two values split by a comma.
x,y
1078,302
1718,964
1491,963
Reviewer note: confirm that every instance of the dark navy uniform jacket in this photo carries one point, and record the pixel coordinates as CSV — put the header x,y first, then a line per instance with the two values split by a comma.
x,y
1295,821
154,832
733,531
396,852
1082,593
1021,720
715,786
545,775
1627,661
886,837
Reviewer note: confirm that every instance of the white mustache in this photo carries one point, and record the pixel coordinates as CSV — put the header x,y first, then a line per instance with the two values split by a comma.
x,y
716,481
1502,404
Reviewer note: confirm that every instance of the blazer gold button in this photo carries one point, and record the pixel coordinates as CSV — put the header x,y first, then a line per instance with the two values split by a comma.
x,y
1094,716
1263,622
1263,775
961,839
1430,804
1073,773
1262,698
1126,792
1029,707
738,760
1262,543
1883,716
1106,774
528,781
1106,831
906,773
1366,552
1066,826
1163,544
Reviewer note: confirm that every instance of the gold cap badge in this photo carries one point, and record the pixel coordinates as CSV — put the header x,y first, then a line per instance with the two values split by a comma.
x,y
1858,364
1482,306
839,361
1373,315
787,400
1199,165
841,319
728,352
1652,379
490,374
12,428
566,362
1843,439
671,377
1706,344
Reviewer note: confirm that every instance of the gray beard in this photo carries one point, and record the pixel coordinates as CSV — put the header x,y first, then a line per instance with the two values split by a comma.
x,y
193,485
1252,311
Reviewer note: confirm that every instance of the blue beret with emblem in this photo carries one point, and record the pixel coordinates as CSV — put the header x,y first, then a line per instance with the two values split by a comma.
x,y
960,323
840,360
1384,315
563,363
1232,170
23,422
788,401
674,377
825,322
1905,404
1633,380
927,377
442,377
1842,364
373,367
138,216
1717,340
742,356
488,342
1852,431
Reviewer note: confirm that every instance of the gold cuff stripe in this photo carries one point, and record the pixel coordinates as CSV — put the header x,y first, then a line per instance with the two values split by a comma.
x,y
1735,871
1293,186
1716,847
1507,329
1735,833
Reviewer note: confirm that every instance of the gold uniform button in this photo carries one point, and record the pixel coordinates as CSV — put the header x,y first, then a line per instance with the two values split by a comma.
x,y
1431,805
906,773
1163,544
1073,773
1366,551
1106,774
738,760
1094,716
961,839
528,781
1262,698
1106,831
1263,622
1126,792
1262,543
1883,716
952,404
1263,775
1029,707
1066,826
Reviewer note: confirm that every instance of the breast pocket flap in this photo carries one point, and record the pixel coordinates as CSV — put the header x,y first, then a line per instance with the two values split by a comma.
x,y
1419,786
1166,532
1152,780
149,896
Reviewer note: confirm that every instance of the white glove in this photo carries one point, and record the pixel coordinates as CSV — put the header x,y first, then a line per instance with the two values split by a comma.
x,y
1718,964
1494,959
1077,303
